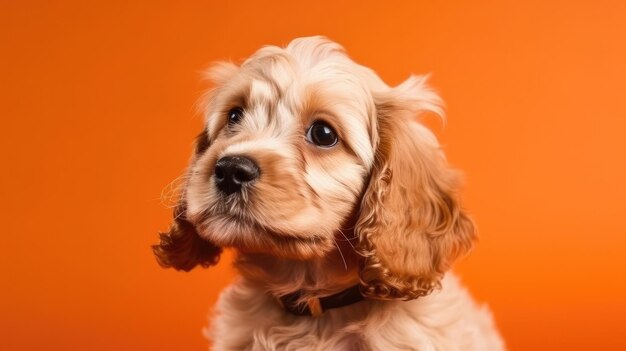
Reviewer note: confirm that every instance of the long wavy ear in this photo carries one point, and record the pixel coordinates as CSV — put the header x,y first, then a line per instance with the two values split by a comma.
x,y
181,247
411,226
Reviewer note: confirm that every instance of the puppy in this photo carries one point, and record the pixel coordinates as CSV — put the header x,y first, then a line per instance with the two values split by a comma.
x,y
340,206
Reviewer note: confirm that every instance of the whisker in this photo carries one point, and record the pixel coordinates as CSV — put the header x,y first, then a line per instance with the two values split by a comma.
x,y
345,265
348,240
173,191
179,215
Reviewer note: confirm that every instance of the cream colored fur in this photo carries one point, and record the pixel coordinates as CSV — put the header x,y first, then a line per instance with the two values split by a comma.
x,y
447,320
379,209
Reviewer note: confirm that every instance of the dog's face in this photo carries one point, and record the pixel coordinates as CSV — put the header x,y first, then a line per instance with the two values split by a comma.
x,y
290,144
302,145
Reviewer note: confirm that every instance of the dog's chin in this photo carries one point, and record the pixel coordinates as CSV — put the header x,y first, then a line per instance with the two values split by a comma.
x,y
251,237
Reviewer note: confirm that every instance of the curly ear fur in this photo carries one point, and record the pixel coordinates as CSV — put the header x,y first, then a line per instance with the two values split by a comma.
x,y
181,247
411,226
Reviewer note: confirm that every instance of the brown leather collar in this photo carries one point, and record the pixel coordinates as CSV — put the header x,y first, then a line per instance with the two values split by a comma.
x,y
317,306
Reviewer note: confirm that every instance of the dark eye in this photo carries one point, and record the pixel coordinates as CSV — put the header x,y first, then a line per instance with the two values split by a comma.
x,y
234,115
321,134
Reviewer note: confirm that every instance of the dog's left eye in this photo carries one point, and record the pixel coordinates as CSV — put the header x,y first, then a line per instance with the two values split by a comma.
x,y
321,134
234,115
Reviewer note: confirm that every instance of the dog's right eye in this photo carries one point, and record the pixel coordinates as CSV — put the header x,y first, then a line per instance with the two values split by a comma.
x,y
234,115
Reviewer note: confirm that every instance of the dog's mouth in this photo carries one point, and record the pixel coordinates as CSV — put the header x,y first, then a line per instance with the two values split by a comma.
x,y
277,235
229,230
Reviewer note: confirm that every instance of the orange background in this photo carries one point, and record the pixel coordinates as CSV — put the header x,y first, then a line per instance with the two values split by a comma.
x,y
97,118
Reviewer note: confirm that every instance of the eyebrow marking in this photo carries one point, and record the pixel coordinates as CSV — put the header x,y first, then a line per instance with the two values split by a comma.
x,y
202,142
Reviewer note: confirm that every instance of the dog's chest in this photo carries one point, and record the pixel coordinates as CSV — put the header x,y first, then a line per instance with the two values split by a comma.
x,y
248,319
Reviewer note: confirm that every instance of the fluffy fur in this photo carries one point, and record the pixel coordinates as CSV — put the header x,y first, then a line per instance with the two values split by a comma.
x,y
378,209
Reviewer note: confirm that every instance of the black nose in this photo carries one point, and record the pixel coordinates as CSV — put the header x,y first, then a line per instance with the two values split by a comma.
x,y
232,172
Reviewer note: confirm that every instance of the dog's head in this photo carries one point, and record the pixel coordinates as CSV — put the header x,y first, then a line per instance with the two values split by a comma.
x,y
301,145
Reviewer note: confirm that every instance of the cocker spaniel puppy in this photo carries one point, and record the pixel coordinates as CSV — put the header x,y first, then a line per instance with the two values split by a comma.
x,y
340,206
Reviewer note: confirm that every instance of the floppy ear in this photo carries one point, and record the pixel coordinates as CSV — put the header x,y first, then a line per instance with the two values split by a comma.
x,y
411,226
181,247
